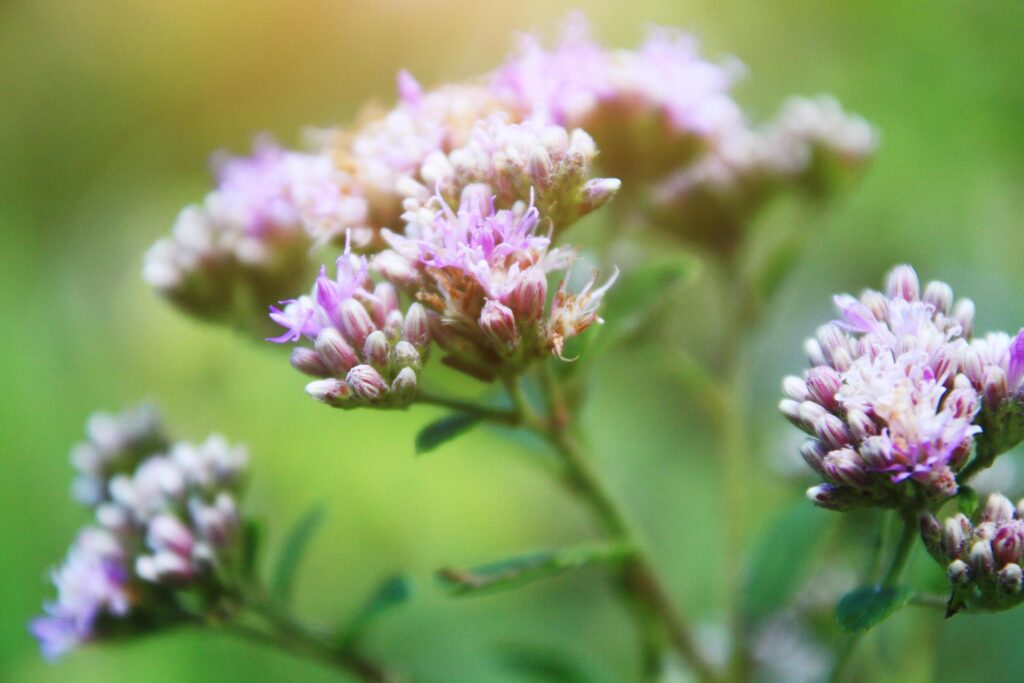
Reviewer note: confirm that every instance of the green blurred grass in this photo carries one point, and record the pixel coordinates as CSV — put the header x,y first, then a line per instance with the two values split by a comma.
x,y
108,112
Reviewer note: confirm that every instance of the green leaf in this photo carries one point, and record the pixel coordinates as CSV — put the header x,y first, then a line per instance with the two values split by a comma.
x,y
251,547
538,663
865,607
781,558
283,577
517,571
444,430
637,296
967,500
392,593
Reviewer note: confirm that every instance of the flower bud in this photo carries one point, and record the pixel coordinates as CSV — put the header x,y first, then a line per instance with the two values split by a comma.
x,y
931,533
406,356
876,303
939,295
404,386
598,192
831,497
1011,579
396,269
861,426
955,532
334,351
823,384
845,467
376,351
215,523
355,321
795,388
309,361
529,295
902,283
167,532
385,300
998,509
366,383
1008,544
982,561
963,314
791,410
810,414
831,430
815,354
417,326
813,453
958,572
498,322
163,567
331,391
994,385
540,168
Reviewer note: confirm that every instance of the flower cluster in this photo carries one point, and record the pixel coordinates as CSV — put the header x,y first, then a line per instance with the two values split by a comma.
x,y
983,559
483,274
166,525
248,242
885,401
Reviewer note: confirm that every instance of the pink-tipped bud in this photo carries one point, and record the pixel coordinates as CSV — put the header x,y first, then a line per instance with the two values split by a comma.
x,y
394,326
366,383
498,322
994,385
215,523
409,89
931,533
417,326
332,391
540,168
832,337
385,300
958,572
334,351
982,560
810,413
939,295
1008,544
844,466
963,314
355,322
376,351
404,386
598,192
876,303
167,532
406,356
1011,579
831,430
823,384
830,497
972,366
861,426
164,567
955,533
902,283
998,509
813,453
309,362
528,297
791,410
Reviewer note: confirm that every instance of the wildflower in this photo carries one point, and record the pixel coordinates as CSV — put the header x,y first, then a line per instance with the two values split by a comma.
x,y
248,243
994,364
482,274
884,402
365,350
166,520
983,558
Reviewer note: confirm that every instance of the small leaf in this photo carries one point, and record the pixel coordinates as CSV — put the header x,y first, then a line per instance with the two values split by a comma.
x,y
283,577
392,593
444,430
865,607
781,558
251,547
967,500
517,571
637,296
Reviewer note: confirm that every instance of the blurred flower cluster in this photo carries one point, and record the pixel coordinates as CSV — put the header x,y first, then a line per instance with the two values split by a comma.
x,y
898,395
166,540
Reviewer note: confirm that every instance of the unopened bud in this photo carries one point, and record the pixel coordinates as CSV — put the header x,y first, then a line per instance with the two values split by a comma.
x,y
958,572
540,168
982,560
334,351
861,426
955,532
404,386
844,466
598,192
498,322
795,388
876,303
529,295
823,384
1008,544
309,361
813,453
375,351
167,532
1011,579
355,321
385,300
832,431
417,326
810,414
163,567
998,509
963,314
994,385
830,497
406,356
939,295
366,383
931,533
331,391
902,283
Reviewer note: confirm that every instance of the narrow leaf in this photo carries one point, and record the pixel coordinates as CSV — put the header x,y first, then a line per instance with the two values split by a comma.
x,y
542,664
967,500
781,559
865,607
517,571
390,594
283,577
637,296
444,430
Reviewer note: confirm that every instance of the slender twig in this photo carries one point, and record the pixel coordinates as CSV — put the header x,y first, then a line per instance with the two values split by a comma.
x,y
641,580
500,415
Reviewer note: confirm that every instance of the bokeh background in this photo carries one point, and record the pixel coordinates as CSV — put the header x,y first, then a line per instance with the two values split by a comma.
x,y
108,112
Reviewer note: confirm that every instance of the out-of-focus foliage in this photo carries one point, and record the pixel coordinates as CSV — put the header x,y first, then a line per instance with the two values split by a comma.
x,y
108,112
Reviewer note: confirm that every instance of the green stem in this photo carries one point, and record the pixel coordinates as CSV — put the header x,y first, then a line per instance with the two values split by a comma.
x,y
984,456
500,415
641,582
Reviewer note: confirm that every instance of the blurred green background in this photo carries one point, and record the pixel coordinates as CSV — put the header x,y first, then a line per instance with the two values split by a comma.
x,y
108,112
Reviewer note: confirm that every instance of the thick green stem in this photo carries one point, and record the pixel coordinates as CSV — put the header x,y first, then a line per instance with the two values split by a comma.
x,y
640,581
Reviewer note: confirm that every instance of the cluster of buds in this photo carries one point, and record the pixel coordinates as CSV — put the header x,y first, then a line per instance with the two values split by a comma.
x,y
983,559
365,350
526,162
885,402
248,243
483,274
994,365
812,145
166,523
